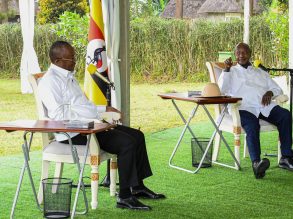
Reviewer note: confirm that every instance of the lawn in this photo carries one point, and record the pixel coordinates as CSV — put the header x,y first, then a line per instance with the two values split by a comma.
x,y
215,192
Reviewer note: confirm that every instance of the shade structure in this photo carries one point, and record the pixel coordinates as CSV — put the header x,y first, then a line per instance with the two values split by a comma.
x,y
29,61
112,37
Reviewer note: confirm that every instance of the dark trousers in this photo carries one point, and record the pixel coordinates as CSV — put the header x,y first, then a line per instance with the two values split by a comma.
x,y
129,146
279,117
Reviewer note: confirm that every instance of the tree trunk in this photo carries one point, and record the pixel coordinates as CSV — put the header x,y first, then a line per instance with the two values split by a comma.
x,y
179,9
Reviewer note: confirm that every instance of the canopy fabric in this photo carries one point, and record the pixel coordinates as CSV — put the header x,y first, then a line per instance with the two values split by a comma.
x,y
29,61
112,37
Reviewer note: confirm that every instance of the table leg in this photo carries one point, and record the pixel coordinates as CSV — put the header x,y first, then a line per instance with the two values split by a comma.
x,y
180,139
182,117
80,184
221,136
25,149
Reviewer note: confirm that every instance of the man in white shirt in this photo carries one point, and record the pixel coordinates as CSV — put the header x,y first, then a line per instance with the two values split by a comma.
x,y
59,88
257,89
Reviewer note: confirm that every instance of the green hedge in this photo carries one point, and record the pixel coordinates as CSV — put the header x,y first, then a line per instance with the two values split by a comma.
x,y
160,50
178,49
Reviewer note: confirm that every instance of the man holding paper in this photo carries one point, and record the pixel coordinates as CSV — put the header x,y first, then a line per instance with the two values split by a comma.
x,y
58,87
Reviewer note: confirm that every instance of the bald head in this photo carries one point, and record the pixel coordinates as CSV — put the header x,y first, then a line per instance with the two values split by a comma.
x,y
244,46
242,53
57,49
62,54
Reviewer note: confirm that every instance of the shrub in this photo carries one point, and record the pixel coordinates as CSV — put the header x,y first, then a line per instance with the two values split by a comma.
x,y
161,50
50,10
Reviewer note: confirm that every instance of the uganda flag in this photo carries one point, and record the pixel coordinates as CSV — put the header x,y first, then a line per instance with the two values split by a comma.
x,y
94,88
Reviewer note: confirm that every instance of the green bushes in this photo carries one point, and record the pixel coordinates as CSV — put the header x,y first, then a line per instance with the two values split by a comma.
x,y
50,10
160,50
178,49
11,48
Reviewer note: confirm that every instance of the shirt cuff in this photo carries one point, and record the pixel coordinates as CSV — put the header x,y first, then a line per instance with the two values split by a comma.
x,y
101,109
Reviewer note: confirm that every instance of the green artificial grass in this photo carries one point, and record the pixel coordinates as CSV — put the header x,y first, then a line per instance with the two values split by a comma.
x,y
216,192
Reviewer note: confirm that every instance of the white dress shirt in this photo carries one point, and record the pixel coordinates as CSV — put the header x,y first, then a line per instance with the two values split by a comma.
x,y
60,92
250,84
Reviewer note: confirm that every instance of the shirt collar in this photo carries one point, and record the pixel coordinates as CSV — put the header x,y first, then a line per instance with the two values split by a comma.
x,y
241,66
62,71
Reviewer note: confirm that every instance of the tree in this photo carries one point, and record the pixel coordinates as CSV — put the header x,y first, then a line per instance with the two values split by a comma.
x,y
179,9
146,8
50,10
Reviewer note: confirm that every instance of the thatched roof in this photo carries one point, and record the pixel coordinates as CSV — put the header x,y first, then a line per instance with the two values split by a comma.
x,y
200,8
226,6
190,8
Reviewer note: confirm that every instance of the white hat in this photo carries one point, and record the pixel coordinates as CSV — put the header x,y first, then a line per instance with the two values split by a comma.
x,y
211,90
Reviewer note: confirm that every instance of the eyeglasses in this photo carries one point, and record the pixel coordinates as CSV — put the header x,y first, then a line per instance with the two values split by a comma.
x,y
71,60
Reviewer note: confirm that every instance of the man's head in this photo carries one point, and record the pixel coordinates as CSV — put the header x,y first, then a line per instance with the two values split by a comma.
x,y
242,53
62,54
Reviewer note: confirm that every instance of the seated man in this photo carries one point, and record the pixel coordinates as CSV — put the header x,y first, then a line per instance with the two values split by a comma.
x,y
57,88
257,90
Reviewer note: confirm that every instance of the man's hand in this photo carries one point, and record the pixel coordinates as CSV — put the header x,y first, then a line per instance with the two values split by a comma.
x,y
228,64
112,109
267,98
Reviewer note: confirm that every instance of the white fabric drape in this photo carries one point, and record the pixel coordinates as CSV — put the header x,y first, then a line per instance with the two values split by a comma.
x,y
111,19
29,61
247,13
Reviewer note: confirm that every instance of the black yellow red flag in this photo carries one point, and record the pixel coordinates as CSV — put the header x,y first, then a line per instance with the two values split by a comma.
x,y
94,88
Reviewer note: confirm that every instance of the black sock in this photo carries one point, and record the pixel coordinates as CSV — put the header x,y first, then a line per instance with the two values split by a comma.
x,y
140,186
125,193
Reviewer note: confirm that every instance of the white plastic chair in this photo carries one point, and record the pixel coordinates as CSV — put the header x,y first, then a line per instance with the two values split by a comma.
x,y
231,123
59,153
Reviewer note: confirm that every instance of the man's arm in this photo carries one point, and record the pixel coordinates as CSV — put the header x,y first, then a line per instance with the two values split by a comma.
x,y
273,90
51,98
224,80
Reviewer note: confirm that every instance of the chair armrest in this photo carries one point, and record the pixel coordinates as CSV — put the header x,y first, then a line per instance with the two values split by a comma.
x,y
280,99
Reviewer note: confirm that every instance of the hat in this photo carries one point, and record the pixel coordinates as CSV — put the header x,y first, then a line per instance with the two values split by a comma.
x,y
211,90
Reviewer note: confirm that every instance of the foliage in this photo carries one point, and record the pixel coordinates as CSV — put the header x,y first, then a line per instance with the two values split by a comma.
x,y
73,28
278,20
265,3
161,50
11,46
146,8
50,10
6,15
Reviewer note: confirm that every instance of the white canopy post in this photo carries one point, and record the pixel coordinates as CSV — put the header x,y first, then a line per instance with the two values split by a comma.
x,y
112,38
29,61
247,13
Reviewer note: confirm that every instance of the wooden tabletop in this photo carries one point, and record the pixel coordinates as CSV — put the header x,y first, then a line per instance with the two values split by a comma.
x,y
199,99
50,126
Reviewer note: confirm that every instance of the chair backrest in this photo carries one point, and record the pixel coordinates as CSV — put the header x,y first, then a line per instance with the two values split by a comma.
x,y
215,70
33,80
283,83
41,109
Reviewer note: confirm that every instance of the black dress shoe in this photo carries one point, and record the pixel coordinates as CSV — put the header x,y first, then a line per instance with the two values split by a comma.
x,y
286,163
146,193
260,167
131,203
